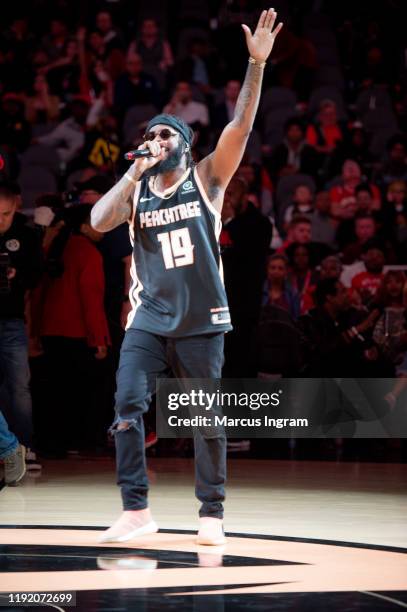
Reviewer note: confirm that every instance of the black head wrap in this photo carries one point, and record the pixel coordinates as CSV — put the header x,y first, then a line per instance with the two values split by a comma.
x,y
175,122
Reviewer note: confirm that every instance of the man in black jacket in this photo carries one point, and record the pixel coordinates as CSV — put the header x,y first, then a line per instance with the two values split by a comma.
x,y
20,270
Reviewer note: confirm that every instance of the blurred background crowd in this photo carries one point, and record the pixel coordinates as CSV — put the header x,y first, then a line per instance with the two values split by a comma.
x,y
314,239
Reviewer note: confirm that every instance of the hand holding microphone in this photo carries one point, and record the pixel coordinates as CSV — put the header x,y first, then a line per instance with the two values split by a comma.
x,y
145,157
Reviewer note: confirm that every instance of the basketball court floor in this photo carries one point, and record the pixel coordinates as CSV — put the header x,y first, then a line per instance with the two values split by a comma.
x,y
302,536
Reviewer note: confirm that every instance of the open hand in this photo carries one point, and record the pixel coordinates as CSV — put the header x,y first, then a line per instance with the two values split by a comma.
x,y
261,42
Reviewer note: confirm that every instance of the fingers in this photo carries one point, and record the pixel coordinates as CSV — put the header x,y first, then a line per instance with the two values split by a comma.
x,y
262,20
247,32
154,147
278,28
270,19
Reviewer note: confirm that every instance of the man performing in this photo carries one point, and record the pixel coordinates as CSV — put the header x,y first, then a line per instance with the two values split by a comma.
x,y
180,311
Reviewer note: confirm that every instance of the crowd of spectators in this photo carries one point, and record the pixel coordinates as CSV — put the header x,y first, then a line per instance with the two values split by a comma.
x,y
314,239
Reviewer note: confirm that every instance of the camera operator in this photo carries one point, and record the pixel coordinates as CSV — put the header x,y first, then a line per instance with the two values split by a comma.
x,y
20,270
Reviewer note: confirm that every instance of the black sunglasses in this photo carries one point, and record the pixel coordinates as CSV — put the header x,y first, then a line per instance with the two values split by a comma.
x,y
164,134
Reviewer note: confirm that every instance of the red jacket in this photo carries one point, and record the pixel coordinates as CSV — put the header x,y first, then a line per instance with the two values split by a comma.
x,y
74,305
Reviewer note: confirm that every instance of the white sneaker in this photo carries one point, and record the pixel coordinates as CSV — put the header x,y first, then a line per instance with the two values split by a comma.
x,y
127,527
211,532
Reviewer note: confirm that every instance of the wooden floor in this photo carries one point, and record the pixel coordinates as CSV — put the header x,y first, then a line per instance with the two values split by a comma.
x,y
301,536
350,502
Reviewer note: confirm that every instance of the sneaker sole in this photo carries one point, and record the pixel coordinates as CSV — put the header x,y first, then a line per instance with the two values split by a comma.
x,y
151,527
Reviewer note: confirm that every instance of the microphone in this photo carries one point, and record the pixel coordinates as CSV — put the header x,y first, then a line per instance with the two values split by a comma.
x,y
131,155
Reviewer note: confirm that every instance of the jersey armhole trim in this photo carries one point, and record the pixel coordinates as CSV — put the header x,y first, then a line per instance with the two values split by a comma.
x,y
135,202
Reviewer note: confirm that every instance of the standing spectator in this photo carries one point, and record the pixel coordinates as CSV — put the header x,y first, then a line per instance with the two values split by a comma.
x,y
41,107
110,34
20,270
69,136
54,42
75,333
154,50
63,73
325,135
390,332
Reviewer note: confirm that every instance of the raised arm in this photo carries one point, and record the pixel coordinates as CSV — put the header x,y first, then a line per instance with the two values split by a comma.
x,y
216,170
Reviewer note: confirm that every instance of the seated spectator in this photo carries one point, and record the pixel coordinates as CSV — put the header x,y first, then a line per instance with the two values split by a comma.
x,y
293,155
277,290
394,214
154,50
224,112
68,137
299,231
395,168
353,233
302,277
97,50
356,147
41,107
75,333
330,267
351,177
303,204
134,86
364,199
323,224
336,338
366,284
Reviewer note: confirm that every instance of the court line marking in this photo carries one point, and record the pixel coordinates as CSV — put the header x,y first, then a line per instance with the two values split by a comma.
x,y
402,604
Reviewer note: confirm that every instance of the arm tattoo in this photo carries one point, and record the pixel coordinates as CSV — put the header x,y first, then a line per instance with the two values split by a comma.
x,y
248,100
114,208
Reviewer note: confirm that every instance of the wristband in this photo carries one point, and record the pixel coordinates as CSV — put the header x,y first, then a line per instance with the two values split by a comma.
x,y
130,178
256,63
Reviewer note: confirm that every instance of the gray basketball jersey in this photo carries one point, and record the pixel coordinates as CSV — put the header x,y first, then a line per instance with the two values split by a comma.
x,y
177,287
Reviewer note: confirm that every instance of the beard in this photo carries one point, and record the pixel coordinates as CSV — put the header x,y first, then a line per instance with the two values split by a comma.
x,y
171,162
